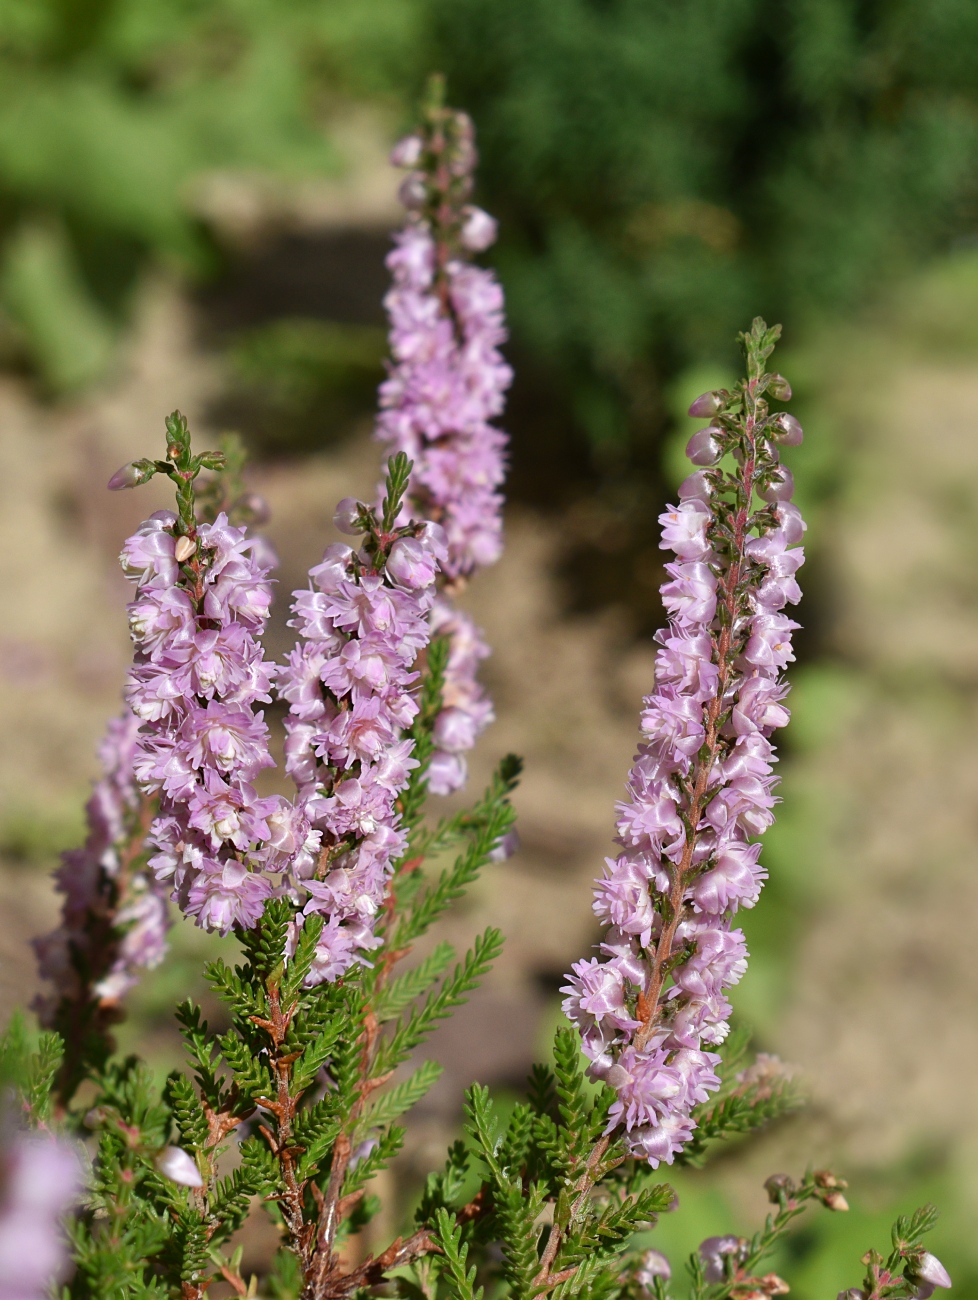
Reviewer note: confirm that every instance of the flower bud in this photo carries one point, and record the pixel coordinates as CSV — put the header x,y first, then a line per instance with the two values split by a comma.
x,y
433,538
771,1284
478,229
506,846
413,192
826,1178
853,1293
407,152
713,1252
779,388
411,564
790,521
704,447
129,476
696,487
654,1264
931,1272
174,1163
333,569
706,404
780,485
834,1200
183,549
787,430
347,514
777,1184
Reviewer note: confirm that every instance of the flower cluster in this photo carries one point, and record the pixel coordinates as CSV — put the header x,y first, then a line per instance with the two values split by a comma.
x,y
653,1005
202,601
363,620
41,1178
114,918
447,384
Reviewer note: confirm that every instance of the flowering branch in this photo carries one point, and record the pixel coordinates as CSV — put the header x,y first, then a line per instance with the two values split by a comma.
x,y
446,386
701,788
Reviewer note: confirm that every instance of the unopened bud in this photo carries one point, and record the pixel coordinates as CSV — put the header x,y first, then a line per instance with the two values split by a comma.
x,y
854,1293
347,513
407,152
174,1163
130,476
826,1178
183,549
413,192
931,1271
478,229
506,846
787,430
779,388
771,1284
834,1200
653,1264
706,404
705,447
697,487
780,485
777,1184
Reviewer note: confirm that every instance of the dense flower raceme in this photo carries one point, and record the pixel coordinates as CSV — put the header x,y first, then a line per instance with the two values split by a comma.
x,y
114,918
198,676
652,1006
447,384
349,684
40,1177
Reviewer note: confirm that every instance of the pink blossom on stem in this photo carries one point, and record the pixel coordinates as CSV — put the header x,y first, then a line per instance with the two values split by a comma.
x,y
350,687
653,1006
446,387
198,675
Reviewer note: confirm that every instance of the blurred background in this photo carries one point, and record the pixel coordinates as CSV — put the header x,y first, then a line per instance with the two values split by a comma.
x,y
194,210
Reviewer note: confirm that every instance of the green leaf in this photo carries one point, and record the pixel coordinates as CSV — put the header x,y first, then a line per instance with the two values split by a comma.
x,y
448,1234
401,992
393,1103
439,1004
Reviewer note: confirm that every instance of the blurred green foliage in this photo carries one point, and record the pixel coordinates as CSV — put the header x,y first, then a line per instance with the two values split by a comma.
x,y
663,171
298,383
110,110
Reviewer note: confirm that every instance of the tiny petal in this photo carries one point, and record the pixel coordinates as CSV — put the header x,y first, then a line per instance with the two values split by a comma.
x,y
653,1264
478,229
413,192
346,516
129,476
705,447
788,429
932,1271
407,152
175,1163
706,404
780,486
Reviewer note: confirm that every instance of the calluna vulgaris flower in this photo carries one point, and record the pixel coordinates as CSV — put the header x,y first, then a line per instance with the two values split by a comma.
x,y
41,1176
446,385
653,1005
113,919
363,621
201,604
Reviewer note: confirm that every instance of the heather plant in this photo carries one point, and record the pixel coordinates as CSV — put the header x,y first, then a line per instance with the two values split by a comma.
x,y
291,1107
